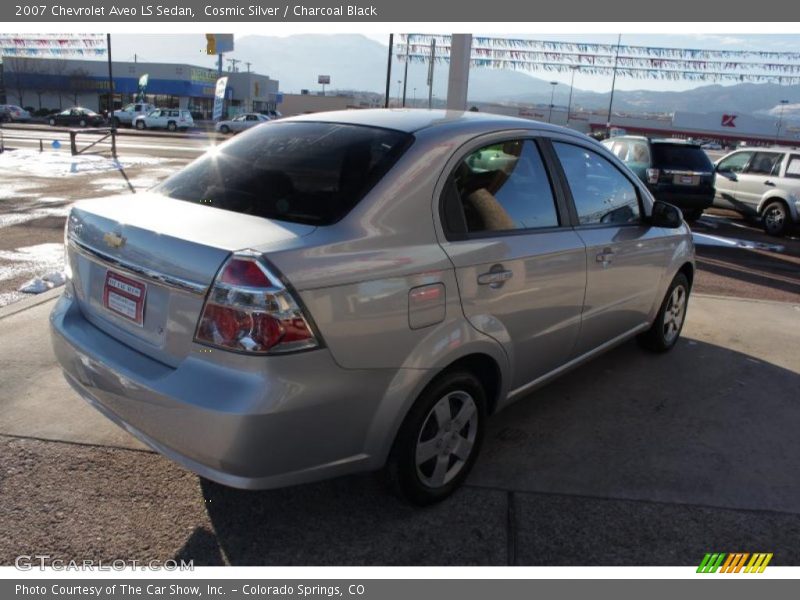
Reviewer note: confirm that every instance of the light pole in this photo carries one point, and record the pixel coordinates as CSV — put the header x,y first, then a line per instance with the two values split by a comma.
x,y
399,100
780,121
414,103
552,95
571,85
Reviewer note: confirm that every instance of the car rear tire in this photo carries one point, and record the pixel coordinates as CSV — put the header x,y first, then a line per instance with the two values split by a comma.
x,y
82,123
52,122
666,329
225,129
439,440
775,218
140,125
171,126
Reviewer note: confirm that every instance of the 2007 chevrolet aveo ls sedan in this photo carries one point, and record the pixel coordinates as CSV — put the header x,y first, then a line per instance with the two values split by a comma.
x,y
360,290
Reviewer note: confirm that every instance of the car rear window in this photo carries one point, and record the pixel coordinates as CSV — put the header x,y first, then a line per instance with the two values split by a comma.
x,y
312,173
679,156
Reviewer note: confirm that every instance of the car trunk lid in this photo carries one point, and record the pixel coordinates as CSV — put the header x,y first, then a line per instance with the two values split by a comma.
x,y
141,265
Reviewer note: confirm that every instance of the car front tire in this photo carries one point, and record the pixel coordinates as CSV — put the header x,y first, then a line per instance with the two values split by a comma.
x,y
439,440
775,218
666,329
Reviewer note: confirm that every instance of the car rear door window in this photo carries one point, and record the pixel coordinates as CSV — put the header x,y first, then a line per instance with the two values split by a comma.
x,y
793,168
764,163
601,193
302,172
681,157
503,187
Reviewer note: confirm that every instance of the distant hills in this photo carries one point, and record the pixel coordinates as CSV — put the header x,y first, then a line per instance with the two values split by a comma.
x,y
356,62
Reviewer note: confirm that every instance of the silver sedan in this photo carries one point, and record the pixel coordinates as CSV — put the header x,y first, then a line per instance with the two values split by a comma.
x,y
361,290
240,123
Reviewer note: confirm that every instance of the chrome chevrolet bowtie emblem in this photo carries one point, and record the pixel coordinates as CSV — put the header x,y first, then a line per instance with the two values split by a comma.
x,y
114,240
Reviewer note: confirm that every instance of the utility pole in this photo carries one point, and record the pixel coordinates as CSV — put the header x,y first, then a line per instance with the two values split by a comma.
x,y
430,73
571,85
780,121
613,84
388,71
553,85
111,98
248,66
233,62
405,69
458,74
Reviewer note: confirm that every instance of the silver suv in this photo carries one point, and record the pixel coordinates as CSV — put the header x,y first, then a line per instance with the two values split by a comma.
x,y
762,183
348,291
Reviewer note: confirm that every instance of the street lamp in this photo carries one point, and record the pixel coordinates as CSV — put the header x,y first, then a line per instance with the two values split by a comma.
x,y
399,101
415,98
780,121
552,94
571,85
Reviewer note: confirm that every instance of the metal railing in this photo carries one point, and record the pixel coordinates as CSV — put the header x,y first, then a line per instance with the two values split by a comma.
x,y
105,132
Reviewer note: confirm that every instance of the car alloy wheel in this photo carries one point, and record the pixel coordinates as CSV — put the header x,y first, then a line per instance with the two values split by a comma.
x,y
171,126
225,129
447,438
674,314
775,218
82,123
139,124
52,122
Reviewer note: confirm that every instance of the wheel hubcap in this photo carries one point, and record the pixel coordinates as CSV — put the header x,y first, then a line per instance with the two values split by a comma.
x,y
774,218
447,438
674,314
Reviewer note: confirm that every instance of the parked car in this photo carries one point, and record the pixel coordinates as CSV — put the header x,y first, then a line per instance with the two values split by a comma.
x,y
165,118
761,183
12,112
77,115
358,290
712,146
240,123
127,114
674,171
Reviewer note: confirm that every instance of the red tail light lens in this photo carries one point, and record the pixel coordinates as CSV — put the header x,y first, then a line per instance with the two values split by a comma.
x,y
249,310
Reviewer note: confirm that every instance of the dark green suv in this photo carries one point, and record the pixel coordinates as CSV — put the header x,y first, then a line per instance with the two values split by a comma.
x,y
675,171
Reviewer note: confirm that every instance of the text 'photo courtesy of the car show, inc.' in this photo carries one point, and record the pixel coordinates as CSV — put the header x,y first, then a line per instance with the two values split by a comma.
x,y
380,300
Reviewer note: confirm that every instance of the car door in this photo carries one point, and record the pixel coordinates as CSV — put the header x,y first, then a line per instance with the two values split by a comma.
x,y
520,267
625,257
726,180
790,181
758,178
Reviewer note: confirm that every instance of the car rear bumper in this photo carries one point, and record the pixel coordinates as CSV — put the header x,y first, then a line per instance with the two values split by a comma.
x,y
246,422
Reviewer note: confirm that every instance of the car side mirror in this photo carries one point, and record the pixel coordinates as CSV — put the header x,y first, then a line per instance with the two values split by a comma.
x,y
666,215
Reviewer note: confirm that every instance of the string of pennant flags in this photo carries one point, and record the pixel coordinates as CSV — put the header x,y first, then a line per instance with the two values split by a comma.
x,y
639,62
84,44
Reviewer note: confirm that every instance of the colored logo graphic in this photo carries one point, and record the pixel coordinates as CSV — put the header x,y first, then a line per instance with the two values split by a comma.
x,y
734,562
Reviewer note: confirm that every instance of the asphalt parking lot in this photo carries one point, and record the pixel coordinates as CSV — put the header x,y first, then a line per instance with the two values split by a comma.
x,y
633,459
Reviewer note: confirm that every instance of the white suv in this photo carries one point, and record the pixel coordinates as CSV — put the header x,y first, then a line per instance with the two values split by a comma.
x,y
763,183
165,118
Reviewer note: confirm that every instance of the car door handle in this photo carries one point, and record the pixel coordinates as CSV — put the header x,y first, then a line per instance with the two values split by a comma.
x,y
606,256
769,183
495,278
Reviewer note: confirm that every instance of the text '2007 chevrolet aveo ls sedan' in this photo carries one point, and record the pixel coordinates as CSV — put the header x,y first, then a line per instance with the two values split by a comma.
x,y
360,290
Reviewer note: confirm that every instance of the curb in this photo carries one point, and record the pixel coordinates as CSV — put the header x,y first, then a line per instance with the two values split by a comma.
x,y
742,299
22,305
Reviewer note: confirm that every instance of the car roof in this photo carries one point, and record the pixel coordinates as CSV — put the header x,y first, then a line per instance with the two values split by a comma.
x,y
410,120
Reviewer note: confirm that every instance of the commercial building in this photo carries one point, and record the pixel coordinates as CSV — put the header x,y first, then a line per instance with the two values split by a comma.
x,y
55,83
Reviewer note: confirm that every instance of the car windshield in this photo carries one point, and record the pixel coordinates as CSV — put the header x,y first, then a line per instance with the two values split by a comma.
x,y
680,156
304,172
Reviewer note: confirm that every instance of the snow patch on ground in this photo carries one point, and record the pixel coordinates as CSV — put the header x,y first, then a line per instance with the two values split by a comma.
x,y
9,219
11,191
60,164
30,260
114,184
38,285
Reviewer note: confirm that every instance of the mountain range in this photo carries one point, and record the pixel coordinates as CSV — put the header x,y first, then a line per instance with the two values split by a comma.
x,y
355,62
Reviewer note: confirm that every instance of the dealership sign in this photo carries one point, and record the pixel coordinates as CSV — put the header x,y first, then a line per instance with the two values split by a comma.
x,y
219,97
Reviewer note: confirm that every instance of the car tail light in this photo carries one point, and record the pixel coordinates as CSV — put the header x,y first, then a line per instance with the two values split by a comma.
x,y
248,309
652,175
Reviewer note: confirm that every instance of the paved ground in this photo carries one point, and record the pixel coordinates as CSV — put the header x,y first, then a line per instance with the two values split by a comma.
x,y
632,459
